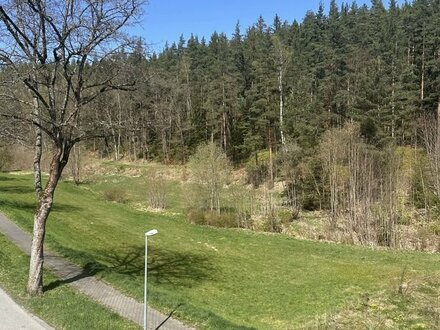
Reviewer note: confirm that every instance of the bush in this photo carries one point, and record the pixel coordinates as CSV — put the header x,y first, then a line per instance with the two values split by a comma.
x,y
210,169
257,174
116,194
269,223
435,228
156,191
196,217
207,218
257,168
5,158
223,220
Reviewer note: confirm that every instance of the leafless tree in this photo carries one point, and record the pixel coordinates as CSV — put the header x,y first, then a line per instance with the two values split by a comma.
x,y
56,47
431,139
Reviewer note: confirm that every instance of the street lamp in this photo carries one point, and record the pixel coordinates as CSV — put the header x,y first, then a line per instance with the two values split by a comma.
x,y
148,233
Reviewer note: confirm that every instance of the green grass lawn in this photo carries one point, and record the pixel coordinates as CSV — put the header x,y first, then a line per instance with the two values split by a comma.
x,y
213,278
62,307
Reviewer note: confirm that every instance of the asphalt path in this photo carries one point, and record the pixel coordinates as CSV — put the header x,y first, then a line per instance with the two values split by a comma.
x,y
14,317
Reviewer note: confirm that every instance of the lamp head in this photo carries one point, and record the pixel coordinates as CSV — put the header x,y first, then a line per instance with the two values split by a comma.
x,y
151,232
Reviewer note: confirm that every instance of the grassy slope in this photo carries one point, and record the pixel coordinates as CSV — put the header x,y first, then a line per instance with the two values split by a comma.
x,y
213,277
62,307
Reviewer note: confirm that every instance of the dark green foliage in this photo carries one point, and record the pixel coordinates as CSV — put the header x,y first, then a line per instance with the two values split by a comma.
x,y
257,173
368,130
377,65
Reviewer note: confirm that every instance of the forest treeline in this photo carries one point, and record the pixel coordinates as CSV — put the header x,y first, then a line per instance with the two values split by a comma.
x,y
278,83
273,84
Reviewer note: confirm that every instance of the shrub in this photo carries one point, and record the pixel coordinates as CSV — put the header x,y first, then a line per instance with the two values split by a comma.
x,y
267,223
257,174
116,194
5,158
208,218
210,169
223,220
156,192
435,228
196,217
257,168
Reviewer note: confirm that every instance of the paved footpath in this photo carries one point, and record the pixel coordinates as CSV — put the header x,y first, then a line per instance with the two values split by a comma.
x,y
14,317
103,293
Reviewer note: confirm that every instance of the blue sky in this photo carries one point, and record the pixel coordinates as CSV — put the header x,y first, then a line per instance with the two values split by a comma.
x,y
166,20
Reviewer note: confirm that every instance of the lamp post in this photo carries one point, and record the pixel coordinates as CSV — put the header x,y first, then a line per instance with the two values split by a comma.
x,y
148,233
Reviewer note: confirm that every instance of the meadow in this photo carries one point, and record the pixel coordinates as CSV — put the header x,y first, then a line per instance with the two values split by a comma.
x,y
210,277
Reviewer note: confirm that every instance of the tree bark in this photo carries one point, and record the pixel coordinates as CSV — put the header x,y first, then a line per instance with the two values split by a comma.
x,y
37,160
422,79
59,161
38,144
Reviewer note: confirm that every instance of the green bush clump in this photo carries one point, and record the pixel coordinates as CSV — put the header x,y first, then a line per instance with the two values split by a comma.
x,y
196,217
116,194
435,228
215,219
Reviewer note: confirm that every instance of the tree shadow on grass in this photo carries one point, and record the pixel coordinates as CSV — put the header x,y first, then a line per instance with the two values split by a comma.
x,y
21,205
17,189
31,206
180,268
5,178
164,266
62,207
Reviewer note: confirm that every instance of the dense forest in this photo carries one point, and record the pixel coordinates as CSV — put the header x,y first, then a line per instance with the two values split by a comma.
x,y
281,83
342,108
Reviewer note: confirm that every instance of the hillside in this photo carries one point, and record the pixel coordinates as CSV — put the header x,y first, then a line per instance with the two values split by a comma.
x,y
226,278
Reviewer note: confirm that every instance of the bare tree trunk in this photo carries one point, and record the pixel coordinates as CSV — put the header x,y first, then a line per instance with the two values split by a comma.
x,y
353,164
225,141
333,189
164,141
393,103
75,164
38,147
35,280
271,174
115,144
37,160
133,139
437,139
224,137
422,80
211,200
119,125
280,89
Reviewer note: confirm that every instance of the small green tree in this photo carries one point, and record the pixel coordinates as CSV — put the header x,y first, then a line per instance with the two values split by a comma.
x,y
211,169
